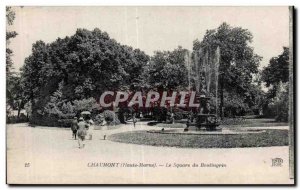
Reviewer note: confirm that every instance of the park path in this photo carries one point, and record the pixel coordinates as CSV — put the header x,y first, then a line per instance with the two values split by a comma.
x,y
55,158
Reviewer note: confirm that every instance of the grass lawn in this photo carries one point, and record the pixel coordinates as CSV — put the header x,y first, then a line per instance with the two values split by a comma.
x,y
269,138
253,122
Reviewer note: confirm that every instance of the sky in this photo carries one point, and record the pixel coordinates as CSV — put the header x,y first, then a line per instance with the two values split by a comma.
x,y
150,28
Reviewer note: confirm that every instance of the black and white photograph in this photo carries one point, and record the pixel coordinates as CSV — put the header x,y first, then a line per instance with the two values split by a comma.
x,y
150,95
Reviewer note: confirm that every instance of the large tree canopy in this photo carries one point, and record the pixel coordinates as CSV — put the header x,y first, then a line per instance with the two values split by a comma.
x,y
86,63
167,70
277,71
238,62
82,66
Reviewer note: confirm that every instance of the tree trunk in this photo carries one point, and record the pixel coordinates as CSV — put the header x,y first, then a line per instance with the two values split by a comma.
x,y
19,109
20,105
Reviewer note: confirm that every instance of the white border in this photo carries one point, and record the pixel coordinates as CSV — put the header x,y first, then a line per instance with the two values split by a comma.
x,y
4,3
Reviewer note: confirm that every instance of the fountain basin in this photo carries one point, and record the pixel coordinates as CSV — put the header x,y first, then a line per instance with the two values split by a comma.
x,y
205,132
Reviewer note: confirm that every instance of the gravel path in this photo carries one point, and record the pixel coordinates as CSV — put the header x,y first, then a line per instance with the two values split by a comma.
x,y
54,157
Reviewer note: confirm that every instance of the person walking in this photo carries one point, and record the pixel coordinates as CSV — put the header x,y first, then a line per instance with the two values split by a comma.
x,y
90,129
82,132
74,127
133,119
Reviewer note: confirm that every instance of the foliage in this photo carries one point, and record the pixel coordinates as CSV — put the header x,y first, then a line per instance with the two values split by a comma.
x,y
10,17
279,106
277,71
89,104
66,123
58,108
234,105
12,98
87,63
111,118
14,93
17,119
65,77
98,119
238,62
276,78
166,69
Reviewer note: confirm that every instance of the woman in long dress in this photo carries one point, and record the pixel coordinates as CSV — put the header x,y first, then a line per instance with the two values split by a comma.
x,y
82,132
90,129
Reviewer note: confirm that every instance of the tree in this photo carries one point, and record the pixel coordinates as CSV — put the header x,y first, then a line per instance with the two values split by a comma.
x,y
276,72
14,96
11,79
10,17
89,104
36,77
276,78
238,62
86,64
166,69
137,68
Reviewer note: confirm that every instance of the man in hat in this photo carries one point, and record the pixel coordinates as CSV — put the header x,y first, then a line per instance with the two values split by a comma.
x,y
82,132
74,127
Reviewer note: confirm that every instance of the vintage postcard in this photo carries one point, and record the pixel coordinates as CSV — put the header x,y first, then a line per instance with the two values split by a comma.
x,y
149,95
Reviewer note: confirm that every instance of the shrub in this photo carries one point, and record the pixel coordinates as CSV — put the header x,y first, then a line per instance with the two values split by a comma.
x,y
111,118
234,105
55,109
44,120
67,111
98,119
66,123
279,107
49,110
89,104
16,119
282,108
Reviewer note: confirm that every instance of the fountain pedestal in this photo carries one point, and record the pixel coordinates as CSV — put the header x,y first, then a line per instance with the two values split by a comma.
x,y
204,120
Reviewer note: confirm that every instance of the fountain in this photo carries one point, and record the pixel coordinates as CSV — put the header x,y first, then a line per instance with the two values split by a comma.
x,y
206,69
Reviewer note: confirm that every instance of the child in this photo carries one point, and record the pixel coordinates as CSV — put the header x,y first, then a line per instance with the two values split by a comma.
x,y
74,127
90,129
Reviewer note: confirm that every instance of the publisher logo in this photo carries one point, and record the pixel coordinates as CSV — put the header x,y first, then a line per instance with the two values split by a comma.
x,y
277,162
